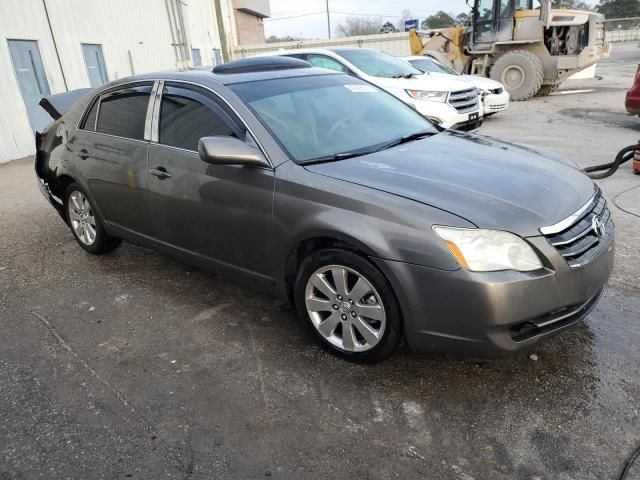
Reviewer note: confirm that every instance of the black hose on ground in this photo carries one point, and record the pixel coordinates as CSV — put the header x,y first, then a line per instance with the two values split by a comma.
x,y
627,466
609,169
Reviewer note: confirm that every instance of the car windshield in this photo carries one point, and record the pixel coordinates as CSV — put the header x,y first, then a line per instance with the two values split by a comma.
x,y
429,65
320,116
379,64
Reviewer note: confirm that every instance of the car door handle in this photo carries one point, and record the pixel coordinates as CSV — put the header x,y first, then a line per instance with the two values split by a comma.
x,y
160,172
83,154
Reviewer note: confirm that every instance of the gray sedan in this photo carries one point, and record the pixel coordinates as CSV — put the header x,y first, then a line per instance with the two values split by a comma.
x,y
320,188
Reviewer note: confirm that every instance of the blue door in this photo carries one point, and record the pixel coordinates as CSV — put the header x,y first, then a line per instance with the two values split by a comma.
x,y
27,64
217,56
94,60
197,59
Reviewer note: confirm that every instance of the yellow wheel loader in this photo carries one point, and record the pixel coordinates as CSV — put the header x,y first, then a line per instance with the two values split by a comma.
x,y
530,50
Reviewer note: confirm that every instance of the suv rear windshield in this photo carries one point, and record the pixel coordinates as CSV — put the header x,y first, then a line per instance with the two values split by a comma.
x,y
430,65
379,64
318,116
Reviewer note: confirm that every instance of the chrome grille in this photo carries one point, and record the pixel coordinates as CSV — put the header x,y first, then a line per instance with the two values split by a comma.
x,y
464,101
580,242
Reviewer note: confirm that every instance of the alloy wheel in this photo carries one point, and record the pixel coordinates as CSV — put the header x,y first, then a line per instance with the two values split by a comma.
x,y
345,308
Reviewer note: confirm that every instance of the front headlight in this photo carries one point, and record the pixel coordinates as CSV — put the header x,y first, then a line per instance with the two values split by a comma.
x,y
488,250
428,95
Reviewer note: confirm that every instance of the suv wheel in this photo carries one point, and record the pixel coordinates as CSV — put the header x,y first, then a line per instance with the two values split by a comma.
x,y
84,223
349,305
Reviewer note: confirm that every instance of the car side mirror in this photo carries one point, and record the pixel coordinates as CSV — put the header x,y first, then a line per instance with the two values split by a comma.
x,y
229,151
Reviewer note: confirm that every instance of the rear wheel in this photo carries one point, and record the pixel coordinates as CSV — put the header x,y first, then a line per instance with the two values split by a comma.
x,y
548,89
85,224
521,72
349,306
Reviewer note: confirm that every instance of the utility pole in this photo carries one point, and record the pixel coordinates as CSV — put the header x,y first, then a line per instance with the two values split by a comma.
x,y
221,32
328,20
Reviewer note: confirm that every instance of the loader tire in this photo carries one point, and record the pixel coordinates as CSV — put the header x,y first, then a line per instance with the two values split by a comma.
x,y
521,72
548,89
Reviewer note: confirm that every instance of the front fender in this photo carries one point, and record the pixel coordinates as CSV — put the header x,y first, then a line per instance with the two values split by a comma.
x,y
379,224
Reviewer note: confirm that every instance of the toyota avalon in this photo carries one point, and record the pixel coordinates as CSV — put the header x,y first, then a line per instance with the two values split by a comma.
x,y
323,189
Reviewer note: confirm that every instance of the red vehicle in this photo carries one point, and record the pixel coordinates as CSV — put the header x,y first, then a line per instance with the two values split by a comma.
x,y
632,102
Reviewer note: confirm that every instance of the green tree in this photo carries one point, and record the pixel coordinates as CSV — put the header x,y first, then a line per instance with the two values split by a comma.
x,y
439,20
462,19
574,4
619,8
388,27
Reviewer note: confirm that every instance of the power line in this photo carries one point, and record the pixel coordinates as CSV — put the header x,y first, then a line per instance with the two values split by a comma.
x,y
294,16
360,14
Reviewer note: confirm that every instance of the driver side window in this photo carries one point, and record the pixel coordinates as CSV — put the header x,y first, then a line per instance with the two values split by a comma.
x,y
187,115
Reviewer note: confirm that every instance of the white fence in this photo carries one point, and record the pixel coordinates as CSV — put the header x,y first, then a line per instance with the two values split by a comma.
x,y
393,43
616,36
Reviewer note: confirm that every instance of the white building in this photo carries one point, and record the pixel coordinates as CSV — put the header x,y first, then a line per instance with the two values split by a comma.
x,y
51,46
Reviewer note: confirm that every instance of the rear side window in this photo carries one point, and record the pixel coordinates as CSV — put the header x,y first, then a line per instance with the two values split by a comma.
x,y
89,122
123,113
187,115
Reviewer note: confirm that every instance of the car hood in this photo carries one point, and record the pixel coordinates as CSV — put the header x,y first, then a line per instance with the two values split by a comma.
x,y
490,183
427,81
484,82
469,80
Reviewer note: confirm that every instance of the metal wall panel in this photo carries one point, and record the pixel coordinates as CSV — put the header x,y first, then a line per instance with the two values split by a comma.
x,y
135,37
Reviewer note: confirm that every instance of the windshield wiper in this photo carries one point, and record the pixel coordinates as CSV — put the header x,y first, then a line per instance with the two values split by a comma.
x,y
407,138
401,75
359,153
335,157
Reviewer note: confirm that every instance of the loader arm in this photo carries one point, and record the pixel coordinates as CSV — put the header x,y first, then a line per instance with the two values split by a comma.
x,y
445,45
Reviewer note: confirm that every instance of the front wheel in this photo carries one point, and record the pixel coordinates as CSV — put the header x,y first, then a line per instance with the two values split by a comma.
x,y
84,223
349,305
521,72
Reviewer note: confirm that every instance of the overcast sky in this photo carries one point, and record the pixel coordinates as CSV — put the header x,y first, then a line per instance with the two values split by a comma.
x,y
310,19
315,26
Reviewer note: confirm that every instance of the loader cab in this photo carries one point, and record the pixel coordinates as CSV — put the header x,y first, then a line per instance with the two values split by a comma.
x,y
493,21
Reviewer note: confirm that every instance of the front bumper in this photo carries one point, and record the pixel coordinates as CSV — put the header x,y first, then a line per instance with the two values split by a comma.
x,y
494,313
494,103
447,116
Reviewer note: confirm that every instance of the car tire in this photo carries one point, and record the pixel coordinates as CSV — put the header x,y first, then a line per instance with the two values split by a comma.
x,y
85,225
354,314
521,72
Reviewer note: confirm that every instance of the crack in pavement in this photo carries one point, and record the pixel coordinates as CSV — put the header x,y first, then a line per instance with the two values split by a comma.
x,y
189,465
68,348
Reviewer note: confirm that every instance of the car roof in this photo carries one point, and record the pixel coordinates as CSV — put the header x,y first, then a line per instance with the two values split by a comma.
x,y
337,50
204,77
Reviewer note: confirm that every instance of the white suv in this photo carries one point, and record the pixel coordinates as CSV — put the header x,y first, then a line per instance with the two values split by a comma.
x,y
494,97
452,102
